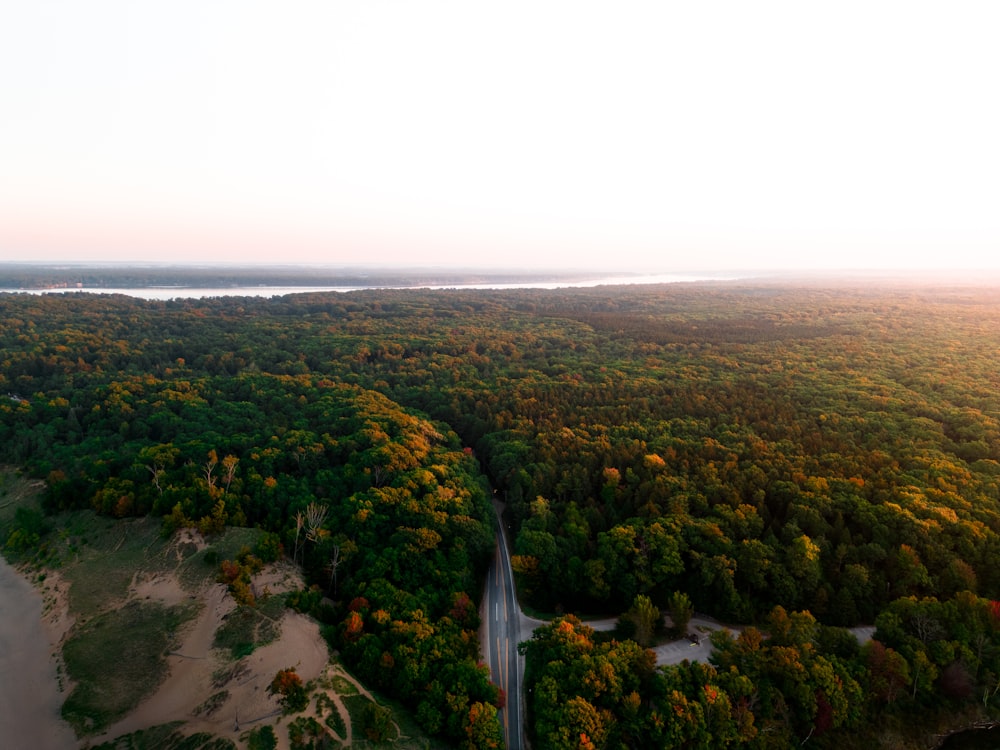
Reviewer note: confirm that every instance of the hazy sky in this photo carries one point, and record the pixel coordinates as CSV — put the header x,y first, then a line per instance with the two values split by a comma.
x,y
660,135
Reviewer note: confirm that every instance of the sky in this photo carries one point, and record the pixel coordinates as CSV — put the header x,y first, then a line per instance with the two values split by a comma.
x,y
659,136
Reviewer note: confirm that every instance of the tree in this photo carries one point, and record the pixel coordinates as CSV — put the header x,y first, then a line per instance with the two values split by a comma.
x,y
208,470
888,672
483,729
334,564
157,460
376,722
291,692
300,522
681,611
28,529
229,465
646,619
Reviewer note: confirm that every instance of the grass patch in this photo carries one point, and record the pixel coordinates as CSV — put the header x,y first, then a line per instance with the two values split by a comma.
x,y
332,717
410,736
305,733
16,490
99,556
213,704
238,633
359,707
229,672
166,737
116,660
248,628
261,738
355,704
197,565
342,685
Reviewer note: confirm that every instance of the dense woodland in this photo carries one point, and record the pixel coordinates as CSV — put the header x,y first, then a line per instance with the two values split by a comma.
x,y
796,458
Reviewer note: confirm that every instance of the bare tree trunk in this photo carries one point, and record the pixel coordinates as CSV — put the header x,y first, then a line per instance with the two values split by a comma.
x,y
299,522
334,564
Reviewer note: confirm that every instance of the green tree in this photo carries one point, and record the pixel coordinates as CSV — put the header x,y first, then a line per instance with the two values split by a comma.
x,y
376,722
681,611
646,619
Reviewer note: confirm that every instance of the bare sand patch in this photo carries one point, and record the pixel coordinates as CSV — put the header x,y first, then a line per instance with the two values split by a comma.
x,y
161,587
189,536
199,672
56,616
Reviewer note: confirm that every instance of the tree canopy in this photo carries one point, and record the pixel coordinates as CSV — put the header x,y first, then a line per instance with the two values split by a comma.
x,y
828,451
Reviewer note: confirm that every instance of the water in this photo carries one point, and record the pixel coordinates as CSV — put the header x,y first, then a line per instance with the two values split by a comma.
x,y
29,693
177,292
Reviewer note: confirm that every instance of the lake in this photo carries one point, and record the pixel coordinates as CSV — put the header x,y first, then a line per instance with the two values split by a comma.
x,y
192,292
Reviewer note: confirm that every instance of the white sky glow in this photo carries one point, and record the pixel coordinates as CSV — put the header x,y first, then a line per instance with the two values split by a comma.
x,y
639,135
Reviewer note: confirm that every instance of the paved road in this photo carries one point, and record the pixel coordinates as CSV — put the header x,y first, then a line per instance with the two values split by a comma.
x,y
504,625
502,621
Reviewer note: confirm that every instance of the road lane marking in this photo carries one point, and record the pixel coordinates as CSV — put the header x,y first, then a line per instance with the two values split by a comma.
x,y
506,665
503,686
499,666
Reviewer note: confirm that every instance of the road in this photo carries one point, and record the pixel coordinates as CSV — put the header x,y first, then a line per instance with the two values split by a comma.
x,y
502,633
504,624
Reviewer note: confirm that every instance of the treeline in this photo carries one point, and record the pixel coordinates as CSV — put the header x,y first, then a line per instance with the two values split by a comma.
x,y
793,682
822,449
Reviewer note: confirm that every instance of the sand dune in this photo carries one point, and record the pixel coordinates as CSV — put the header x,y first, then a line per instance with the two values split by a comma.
x,y
30,697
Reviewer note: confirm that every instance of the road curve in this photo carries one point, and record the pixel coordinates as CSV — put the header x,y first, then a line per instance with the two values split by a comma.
x,y
502,633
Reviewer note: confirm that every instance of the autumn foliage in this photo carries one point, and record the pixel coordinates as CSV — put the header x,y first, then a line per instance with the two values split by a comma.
x,y
291,692
828,449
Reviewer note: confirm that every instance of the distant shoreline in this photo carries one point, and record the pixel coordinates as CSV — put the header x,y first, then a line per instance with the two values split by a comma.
x,y
164,283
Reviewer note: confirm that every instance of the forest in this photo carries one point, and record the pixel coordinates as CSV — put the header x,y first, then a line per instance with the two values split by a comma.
x,y
791,458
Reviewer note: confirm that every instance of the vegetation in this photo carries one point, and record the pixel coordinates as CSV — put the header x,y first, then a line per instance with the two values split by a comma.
x,y
768,689
793,458
62,275
114,658
248,628
290,689
169,737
